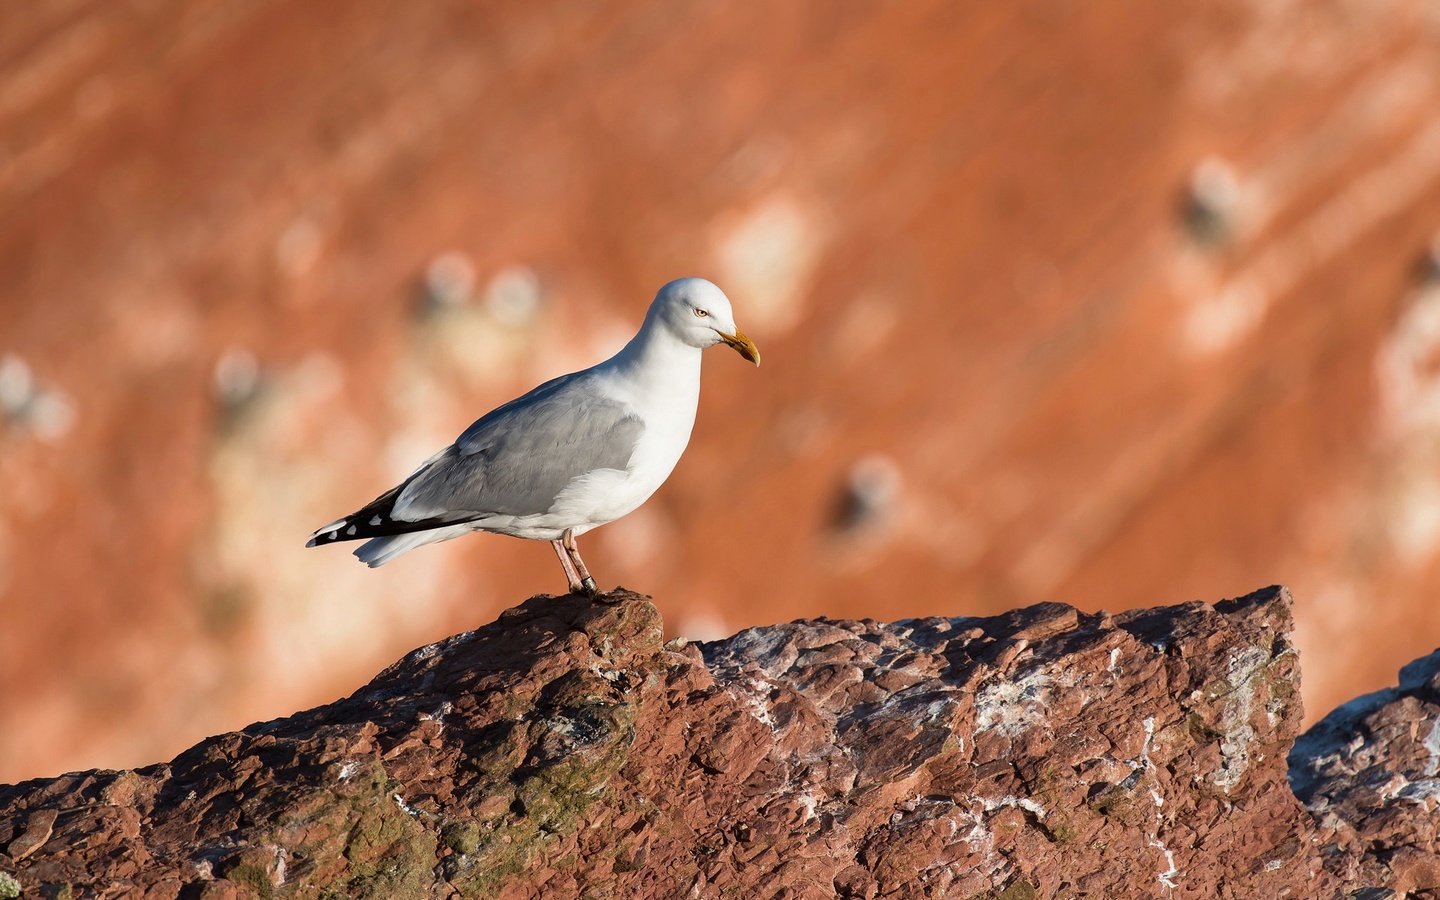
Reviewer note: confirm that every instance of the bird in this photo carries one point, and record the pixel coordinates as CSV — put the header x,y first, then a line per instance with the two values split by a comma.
x,y
575,453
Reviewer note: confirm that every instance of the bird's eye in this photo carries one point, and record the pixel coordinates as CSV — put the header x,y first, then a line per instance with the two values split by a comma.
x,y
701,313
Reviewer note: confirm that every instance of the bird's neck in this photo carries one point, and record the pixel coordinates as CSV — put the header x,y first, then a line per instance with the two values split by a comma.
x,y
654,349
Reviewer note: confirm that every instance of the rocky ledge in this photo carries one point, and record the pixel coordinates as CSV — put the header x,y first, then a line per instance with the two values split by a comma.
x,y
567,750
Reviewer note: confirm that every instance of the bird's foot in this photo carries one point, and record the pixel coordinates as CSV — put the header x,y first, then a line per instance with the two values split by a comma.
x,y
612,598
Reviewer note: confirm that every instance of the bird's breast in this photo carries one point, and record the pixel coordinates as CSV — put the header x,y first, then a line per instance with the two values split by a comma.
x,y
665,402
668,424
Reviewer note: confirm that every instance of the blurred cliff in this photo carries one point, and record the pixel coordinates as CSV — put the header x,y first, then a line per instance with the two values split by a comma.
x,y
1093,302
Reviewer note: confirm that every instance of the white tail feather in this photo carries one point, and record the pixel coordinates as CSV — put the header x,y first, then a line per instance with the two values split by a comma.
x,y
379,551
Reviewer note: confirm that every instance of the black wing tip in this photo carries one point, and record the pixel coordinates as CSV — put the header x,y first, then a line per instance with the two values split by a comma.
x,y
345,529
365,524
321,538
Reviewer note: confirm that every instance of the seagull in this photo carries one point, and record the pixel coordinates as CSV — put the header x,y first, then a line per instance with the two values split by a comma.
x,y
575,453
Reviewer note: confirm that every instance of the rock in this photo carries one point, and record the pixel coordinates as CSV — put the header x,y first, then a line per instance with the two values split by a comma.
x,y
1370,771
566,750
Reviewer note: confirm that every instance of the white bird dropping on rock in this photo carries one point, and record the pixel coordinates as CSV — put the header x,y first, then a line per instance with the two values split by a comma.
x,y
575,453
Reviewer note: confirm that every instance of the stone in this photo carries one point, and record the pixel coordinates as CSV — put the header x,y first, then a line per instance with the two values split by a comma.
x,y
567,750
1370,772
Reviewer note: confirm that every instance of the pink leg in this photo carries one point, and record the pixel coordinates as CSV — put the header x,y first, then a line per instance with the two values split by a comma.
x,y
587,584
571,576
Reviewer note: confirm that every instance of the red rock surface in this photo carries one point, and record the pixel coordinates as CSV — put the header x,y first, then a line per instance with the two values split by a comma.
x,y
958,231
568,750
1370,771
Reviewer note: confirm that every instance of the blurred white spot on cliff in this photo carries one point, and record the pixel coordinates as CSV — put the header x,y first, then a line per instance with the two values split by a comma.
x,y
1407,376
17,385
28,405
298,247
1414,520
1212,202
51,416
271,486
868,493
766,257
449,281
513,296
1221,320
1221,317
1221,314
236,380
479,342
1407,369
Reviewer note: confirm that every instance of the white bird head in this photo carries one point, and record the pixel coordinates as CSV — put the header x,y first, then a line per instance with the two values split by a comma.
x,y
698,313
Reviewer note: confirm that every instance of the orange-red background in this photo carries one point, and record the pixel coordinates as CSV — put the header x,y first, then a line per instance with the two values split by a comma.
x,y
956,230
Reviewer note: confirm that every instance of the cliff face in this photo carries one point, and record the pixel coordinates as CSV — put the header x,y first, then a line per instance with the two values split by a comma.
x,y
216,220
567,750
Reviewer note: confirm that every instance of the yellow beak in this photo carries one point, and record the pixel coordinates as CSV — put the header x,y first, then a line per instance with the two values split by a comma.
x,y
743,345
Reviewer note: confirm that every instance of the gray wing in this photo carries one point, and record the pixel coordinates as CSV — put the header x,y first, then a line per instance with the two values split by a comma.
x,y
517,459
